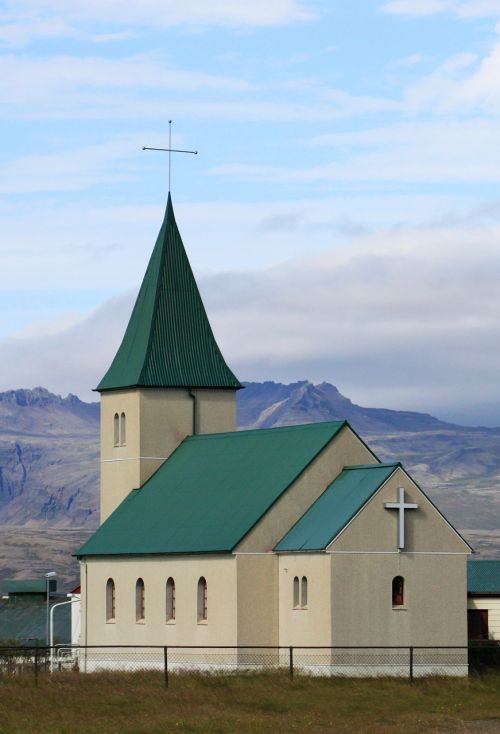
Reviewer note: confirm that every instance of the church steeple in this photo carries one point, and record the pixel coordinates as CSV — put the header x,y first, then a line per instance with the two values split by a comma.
x,y
168,379
168,341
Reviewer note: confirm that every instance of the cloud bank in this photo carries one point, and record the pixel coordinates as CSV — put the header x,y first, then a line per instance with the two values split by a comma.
x,y
405,319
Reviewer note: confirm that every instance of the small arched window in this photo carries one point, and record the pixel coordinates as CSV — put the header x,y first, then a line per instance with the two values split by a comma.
x,y
296,592
110,601
398,591
303,592
202,600
170,600
116,430
140,606
123,429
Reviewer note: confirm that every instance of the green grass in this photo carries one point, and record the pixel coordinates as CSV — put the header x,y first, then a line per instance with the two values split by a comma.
x,y
126,703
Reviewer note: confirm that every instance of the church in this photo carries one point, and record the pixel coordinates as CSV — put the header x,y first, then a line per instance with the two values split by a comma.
x,y
294,536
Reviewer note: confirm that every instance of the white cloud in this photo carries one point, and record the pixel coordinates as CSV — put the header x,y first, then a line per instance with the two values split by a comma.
x,y
25,29
405,319
37,84
436,151
463,85
460,8
27,20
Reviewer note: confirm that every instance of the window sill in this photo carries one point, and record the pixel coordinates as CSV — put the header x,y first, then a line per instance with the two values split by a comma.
x,y
140,621
170,622
300,609
110,621
203,622
399,608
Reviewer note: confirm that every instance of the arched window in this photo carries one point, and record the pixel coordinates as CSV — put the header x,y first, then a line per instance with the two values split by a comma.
x,y
117,430
123,430
202,600
140,607
170,600
303,592
296,592
398,591
110,601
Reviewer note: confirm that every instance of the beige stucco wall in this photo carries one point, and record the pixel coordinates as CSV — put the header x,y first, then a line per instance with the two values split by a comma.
x,y
219,572
376,528
257,599
310,625
157,421
346,448
492,604
434,612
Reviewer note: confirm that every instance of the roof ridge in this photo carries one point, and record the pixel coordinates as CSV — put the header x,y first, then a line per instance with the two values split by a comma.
x,y
381,465
169,209
260,431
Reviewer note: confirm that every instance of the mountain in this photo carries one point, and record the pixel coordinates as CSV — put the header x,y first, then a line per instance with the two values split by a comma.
x,y
49,465
49,459
268,404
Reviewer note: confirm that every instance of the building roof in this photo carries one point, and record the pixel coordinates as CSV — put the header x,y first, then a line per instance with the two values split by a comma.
x,y
211,491
168,341
28,586
483,577
338,504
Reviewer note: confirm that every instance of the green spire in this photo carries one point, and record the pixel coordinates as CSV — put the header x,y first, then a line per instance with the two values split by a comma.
x,y
168,341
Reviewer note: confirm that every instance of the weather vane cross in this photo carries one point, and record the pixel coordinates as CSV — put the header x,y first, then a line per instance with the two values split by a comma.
x,y
170,150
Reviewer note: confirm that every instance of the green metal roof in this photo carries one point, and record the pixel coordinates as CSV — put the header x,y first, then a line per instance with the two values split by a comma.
x,y
338,504
168,341
483,577
211,491
28,586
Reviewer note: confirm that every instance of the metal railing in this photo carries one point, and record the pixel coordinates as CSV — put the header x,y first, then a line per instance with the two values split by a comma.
x,y
348,662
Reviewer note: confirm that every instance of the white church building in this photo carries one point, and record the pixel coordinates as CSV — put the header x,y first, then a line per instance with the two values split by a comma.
x,y
295,536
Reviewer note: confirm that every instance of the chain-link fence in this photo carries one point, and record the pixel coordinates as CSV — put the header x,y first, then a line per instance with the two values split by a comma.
x,y
348,662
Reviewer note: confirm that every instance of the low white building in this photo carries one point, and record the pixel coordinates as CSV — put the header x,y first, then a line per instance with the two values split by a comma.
x,y
483,603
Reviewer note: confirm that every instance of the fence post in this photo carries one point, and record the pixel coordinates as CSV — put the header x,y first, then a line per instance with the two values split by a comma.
x,y
36,665
411,664
291,662
165,665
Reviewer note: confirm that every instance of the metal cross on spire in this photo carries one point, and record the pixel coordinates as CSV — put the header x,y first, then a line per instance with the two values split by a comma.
x,y
170,150
401,506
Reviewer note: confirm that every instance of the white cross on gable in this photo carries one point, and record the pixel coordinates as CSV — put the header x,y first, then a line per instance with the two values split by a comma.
x,y
401,506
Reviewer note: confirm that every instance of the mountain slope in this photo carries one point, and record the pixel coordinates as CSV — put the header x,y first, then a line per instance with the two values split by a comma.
x,y
49,462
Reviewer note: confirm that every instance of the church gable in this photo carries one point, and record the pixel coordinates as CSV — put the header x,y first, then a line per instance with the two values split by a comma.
x,y
381,525
373,509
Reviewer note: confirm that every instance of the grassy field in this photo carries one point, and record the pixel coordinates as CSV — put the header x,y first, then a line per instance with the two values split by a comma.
x,y
114,703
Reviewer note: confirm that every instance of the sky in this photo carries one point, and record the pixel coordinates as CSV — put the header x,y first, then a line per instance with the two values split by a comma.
x,y
342,215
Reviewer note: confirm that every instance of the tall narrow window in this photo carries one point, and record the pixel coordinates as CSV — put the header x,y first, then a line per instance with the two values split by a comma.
x,y
140,607
123,429
170,606
398,591
110,601
116,430
296,592
303,592
202,600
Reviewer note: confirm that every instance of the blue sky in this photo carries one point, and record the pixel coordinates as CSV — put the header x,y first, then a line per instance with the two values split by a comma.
x,y
342,215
